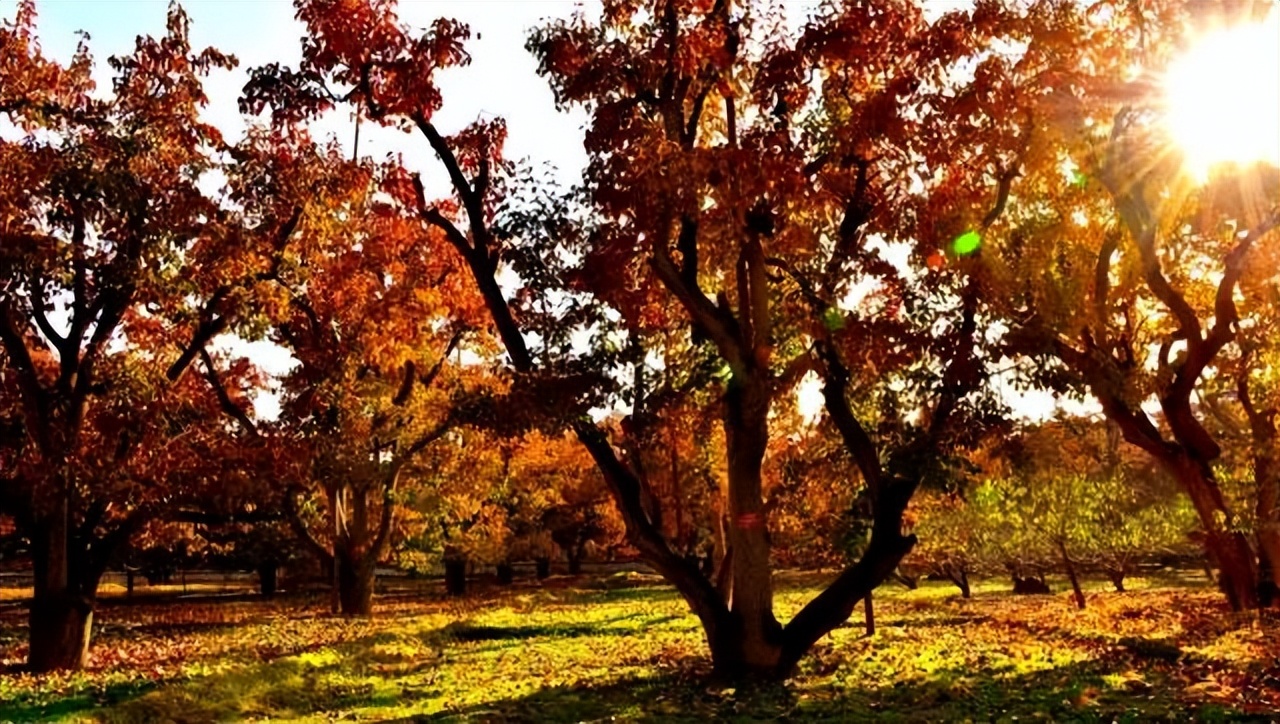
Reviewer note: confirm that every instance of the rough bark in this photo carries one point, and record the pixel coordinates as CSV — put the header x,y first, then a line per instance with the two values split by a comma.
x,y
66,575
746,434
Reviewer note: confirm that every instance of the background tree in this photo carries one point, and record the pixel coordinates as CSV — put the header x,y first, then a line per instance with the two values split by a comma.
x,y
372,312
1122,273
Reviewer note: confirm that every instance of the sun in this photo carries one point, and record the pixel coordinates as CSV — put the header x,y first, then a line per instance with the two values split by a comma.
x,y
1223,97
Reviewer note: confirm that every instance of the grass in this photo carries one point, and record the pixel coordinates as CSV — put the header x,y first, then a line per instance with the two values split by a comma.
x,y
627,650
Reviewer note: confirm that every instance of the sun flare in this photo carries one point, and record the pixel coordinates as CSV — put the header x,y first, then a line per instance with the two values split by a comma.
x,y
1223,97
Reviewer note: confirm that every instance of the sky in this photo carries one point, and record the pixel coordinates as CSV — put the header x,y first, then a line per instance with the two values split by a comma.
x,y
500,81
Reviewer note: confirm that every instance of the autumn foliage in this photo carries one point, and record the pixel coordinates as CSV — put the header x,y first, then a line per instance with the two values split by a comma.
x,y
898,213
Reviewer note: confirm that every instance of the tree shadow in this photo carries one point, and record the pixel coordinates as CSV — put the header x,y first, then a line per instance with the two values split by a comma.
x,y
41,710
466,631
1074,693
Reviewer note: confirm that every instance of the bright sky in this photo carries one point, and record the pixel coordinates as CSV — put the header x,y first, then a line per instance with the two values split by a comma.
x,y
501,81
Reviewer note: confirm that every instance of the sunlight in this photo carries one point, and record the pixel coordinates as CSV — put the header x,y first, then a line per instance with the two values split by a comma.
x,y
1223,97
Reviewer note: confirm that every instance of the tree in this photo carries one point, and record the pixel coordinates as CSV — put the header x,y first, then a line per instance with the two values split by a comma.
x,y
1122,275
373,313
115,272
950,534
700,150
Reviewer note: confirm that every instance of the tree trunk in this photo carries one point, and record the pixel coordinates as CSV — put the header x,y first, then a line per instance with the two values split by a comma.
x,y
506,574
355,585
575,554
1070,565
751,604
542,567
1238,570
959,576
455,576
267,579
60,629
1116,575
869,615
1266,471
61,615
1029,585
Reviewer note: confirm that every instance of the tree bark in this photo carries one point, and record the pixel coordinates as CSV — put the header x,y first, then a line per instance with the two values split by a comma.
x,y
747,434
506,574
542,567
869,614
1266,471
1238,571
1070,565
61,615
356,581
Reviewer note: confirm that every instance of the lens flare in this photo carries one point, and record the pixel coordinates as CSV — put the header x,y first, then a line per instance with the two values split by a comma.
x,y
1223,97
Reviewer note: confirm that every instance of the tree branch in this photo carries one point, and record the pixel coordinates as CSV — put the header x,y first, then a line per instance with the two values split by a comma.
x,y
224,400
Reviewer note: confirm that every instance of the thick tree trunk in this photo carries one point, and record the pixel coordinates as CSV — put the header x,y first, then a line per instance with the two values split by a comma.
x,y
542,567
455,576
751,604
355,585
869,615
506,574
61,616
60,629
1238,570
1266,470
1070,565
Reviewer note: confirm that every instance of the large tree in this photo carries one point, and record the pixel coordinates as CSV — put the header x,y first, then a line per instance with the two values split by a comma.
x,y
115,271
745,184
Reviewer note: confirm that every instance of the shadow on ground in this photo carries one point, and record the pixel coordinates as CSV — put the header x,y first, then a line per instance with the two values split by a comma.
x,y
1075,693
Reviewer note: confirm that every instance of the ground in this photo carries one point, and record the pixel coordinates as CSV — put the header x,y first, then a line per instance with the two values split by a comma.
x,y
624,648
